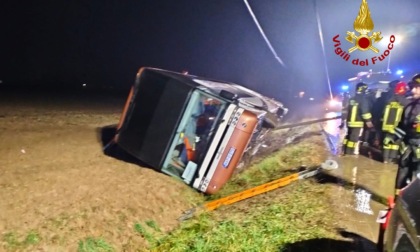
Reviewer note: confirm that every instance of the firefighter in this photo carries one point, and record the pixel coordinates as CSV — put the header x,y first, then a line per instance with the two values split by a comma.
x,y
395,101
409,132
358,114
369,133
377,113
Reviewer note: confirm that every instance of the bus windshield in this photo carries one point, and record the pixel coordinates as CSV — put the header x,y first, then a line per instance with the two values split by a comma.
x,y
194,133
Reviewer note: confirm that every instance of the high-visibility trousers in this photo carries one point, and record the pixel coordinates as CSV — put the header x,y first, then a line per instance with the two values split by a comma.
x,y
351,141
389,149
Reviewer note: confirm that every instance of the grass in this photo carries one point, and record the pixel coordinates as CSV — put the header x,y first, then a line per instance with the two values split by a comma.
x,y
145,233
153,225
92,244
268,222
286,161
14,241
11,239
266,225
32,238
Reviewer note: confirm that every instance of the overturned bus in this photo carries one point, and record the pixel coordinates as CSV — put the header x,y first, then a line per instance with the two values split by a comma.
x,y
193,128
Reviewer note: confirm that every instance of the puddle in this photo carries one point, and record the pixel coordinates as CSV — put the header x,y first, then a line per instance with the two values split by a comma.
x,y
364,185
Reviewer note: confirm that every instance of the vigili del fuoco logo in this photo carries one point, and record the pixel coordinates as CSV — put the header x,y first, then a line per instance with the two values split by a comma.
x,y
362,40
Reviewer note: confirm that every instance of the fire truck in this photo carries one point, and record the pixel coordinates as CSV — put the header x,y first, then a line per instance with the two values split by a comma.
x,y
378,82
193,128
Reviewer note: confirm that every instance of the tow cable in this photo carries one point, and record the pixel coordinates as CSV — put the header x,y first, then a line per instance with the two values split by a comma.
x,y
233,198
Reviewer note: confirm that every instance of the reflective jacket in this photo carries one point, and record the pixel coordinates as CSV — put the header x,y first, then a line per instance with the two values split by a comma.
x,y
378,109
410,122
392,113
358,111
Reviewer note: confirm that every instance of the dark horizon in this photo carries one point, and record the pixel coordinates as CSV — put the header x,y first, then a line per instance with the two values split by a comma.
x,y
63,45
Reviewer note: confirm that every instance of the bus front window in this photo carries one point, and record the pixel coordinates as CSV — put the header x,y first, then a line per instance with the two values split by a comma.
x,y
194,133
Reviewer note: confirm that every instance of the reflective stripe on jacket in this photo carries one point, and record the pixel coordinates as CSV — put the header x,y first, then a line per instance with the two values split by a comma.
x,y
358,111
392,116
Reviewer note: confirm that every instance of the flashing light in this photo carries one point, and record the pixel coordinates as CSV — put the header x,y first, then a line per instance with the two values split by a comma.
x,y
333,103
344,87
301,94
399,72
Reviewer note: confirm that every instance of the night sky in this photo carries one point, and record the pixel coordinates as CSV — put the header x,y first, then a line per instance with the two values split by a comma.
x,y
103,43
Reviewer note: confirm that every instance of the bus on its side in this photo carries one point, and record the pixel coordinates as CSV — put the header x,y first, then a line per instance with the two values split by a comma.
x,y
192,128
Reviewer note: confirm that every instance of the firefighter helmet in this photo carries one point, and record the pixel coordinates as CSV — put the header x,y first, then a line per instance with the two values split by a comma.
x,y
414,82
416,79
401,88
361,88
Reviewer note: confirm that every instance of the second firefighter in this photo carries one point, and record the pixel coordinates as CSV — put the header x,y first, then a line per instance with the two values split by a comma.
x,y
358,114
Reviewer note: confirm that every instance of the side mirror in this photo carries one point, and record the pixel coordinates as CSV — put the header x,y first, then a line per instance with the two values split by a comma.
x,y
270,121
